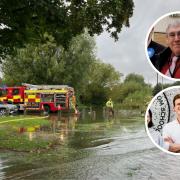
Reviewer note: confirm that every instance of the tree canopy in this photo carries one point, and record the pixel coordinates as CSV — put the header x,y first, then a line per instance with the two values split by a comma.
x,y
27,21
49,64
132,93
102,78
135,78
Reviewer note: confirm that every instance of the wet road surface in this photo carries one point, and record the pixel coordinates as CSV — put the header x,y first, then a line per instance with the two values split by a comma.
x,y
95,149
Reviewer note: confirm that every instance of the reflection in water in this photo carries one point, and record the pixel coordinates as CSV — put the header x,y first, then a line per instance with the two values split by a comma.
x,y
58,126
100,148
64,126
30,136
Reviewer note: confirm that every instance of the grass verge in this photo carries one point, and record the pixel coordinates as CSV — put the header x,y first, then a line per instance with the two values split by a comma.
x,y
12,138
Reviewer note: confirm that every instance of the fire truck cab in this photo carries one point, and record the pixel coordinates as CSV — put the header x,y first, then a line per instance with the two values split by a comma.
x,y
14,95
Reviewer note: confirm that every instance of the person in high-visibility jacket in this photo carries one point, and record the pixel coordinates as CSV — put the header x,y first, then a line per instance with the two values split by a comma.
x,y
109,106
109,103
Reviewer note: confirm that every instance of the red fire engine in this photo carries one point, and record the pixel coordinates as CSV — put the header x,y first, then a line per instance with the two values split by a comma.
x,y
50,98
40,97
13,94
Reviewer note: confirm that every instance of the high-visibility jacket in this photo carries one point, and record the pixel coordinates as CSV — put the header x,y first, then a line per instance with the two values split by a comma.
x,y
109,104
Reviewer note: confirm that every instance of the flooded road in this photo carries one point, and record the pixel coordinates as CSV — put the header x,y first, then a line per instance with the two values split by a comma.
x,y
92,148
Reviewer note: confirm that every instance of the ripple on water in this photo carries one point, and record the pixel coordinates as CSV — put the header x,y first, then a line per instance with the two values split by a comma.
x,y
127,154
2,168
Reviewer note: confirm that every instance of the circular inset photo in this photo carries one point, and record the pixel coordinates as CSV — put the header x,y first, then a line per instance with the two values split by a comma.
x,y
162,46
162,120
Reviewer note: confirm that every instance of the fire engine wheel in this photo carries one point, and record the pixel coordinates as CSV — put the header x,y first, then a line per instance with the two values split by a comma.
x,y
46,108
2,112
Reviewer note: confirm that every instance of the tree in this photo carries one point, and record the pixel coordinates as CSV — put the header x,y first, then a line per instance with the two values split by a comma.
x,y
27,21
102,78
49,64
157,88
135,78
138,99
177,83
132,93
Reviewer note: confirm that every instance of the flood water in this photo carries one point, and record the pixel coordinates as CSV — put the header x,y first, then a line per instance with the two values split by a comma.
x,y
93,147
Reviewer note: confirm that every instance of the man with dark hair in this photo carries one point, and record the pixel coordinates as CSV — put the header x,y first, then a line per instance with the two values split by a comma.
x,y
171,131
177,96
167,62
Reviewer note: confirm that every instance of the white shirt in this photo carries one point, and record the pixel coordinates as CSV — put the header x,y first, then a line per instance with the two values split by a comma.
x,y
156,136
172,130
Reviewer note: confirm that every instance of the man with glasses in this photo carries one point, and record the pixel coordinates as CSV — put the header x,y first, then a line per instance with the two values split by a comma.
x,y
168,61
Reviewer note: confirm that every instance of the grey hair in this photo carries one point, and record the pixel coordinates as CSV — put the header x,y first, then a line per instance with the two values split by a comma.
x,y
175,23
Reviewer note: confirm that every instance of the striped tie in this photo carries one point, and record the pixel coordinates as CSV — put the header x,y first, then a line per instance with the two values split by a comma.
x,y
172,67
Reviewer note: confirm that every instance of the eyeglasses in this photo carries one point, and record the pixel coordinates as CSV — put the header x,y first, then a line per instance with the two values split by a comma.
x,y
172,35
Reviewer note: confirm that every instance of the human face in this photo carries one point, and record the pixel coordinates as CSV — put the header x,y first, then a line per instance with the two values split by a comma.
x,y
173,39
177,106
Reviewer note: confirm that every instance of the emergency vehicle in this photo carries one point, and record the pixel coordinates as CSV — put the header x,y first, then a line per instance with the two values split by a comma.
x,y
40,97
14,95
50,98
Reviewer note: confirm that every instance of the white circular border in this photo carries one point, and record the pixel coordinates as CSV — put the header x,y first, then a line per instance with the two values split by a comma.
x,y
146,40
146,126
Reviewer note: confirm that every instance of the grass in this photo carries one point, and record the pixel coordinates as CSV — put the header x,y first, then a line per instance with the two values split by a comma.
x,y
23,120
12,139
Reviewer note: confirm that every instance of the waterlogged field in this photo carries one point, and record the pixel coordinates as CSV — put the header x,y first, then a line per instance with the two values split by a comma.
x,y
16,133
83,147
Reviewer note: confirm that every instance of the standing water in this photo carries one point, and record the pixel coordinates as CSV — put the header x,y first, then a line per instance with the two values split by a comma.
x,y
92,147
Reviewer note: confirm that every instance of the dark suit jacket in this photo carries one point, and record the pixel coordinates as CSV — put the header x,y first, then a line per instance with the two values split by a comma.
x,y
162,58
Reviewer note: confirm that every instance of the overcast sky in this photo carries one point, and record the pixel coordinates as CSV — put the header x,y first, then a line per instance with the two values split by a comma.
x,y
127,55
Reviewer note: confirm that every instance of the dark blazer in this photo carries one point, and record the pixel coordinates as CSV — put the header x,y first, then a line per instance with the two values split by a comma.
x,y
162,58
